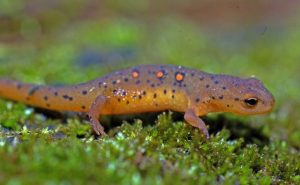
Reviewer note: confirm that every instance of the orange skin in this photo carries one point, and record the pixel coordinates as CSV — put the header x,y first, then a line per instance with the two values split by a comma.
x,y
148,88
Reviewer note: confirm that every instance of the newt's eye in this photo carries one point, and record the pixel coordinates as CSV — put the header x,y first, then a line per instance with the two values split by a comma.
x,y
251,102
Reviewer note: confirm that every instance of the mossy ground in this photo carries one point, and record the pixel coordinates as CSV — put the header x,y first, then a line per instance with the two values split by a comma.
x,y
40,147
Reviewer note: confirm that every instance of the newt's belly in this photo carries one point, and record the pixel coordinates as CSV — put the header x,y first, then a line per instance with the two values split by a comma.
x,y
138,101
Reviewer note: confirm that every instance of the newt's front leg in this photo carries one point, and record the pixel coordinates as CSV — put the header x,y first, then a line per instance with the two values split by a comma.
x,y
94,113
191,117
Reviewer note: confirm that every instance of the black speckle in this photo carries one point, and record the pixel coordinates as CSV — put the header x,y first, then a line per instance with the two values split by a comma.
x,y
105,86
119,99
83,107
154,95
140,96
212,77
126,79
45,98
55,93
100,84
201,78
192,74
114,82
48,105
138,82
207,86
173,91
19,86
165,91
184,85
152,85
227,105
216,82
174,84
144,92
127,102
148,81
124,93
156,104
84,92
197,100
173,96
236,99
33,90
224,88
68,97
221,97
213,97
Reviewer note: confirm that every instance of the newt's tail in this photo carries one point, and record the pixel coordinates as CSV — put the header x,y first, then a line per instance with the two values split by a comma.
x,y
48,97
17,91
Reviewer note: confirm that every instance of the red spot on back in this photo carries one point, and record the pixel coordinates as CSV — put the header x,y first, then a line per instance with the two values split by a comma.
x,y
159,74
179,77
135,74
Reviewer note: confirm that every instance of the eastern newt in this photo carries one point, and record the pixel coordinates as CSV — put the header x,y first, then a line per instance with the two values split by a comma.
x,y
148,88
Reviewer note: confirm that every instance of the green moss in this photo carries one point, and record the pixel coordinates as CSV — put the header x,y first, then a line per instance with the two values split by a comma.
x,y
39,147
14,115
164,153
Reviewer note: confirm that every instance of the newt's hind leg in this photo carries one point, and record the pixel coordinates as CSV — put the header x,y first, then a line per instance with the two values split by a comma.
x,y
94,113
191,117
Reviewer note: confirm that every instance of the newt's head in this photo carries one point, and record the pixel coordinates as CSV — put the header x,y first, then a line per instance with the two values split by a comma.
x,y
246,97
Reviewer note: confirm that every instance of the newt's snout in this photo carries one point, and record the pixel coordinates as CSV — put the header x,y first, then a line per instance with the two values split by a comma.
x,y
268,102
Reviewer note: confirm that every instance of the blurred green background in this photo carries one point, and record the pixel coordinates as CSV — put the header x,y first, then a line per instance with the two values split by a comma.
x,y
73,41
